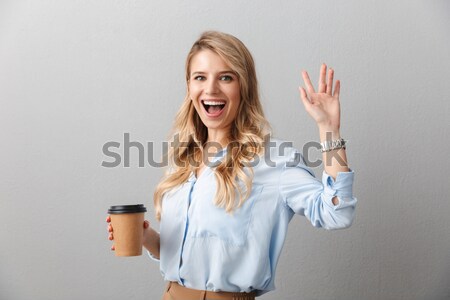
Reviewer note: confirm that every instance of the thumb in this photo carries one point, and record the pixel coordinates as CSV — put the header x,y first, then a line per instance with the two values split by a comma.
x,y
146,224
304,98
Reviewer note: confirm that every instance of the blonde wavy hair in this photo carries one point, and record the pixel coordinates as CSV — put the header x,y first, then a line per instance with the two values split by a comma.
x,y
248,130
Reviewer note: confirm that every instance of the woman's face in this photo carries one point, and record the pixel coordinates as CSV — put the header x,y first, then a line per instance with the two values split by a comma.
x,y
214,90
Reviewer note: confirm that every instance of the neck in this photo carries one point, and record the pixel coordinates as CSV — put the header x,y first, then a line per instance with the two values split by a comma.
x,y
218,137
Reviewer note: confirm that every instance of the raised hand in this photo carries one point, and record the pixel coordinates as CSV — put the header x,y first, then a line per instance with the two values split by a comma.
x,y
323,106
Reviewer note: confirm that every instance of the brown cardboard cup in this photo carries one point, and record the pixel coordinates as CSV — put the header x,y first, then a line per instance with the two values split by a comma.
x,y
128,228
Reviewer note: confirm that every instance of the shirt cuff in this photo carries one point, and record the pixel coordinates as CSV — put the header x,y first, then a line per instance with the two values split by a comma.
x,y
152,256
342,187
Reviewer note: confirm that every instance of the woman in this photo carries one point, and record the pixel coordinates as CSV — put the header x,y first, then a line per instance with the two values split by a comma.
x,y
231,189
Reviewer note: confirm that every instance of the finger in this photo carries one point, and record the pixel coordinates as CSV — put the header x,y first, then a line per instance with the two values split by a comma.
x,y
110,229
146,224
337,89
108,219
113,248
322,78
308,83
111,236
330,81
304,97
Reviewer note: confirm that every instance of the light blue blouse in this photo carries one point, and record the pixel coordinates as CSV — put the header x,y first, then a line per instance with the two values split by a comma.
x,y
204,248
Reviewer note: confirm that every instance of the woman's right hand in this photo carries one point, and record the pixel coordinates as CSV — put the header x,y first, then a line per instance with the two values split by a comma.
x,y
110,230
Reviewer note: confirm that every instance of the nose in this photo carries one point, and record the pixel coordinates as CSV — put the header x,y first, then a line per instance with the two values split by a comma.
x,y
212,87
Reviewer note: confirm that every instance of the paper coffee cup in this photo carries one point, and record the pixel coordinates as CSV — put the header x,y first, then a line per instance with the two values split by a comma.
x,y
128,228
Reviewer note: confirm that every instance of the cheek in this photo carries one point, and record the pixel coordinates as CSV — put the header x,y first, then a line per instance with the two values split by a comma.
x,y
196,104
235,94
192,91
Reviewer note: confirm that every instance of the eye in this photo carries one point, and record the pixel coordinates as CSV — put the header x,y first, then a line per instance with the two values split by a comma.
x,y
199,77
226,78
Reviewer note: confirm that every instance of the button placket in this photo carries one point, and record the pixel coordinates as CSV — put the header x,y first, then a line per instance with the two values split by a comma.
x,y
192,181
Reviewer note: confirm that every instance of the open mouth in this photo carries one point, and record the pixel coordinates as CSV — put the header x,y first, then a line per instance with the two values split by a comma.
x,y
213,107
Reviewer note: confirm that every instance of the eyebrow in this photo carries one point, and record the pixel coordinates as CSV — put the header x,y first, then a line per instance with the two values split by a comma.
x,y
221,72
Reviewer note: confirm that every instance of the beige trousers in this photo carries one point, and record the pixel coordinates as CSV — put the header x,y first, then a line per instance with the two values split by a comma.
x,y
174,291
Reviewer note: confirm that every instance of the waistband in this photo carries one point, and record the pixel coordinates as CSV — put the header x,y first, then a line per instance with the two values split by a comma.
x,y
180,292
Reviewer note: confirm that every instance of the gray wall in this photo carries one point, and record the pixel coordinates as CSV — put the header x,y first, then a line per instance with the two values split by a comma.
x,y
77,74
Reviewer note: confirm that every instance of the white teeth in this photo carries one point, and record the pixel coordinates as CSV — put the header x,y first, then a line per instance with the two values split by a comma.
x,y
214,102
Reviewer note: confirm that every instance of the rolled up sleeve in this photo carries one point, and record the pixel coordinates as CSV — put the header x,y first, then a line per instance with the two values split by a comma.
x,y
306,195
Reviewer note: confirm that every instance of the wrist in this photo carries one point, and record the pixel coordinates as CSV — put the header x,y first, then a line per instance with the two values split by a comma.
x,y
149,236
329,134
151,241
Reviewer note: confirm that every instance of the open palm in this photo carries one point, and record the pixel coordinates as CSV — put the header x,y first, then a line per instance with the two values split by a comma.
x,y
323,106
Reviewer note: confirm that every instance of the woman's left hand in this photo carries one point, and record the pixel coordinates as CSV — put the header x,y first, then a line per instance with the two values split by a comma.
x,y
323,105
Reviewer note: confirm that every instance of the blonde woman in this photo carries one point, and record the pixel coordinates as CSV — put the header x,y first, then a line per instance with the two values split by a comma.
x,y
231,189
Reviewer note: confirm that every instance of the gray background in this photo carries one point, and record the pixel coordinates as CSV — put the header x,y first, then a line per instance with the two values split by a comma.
x,y
77,74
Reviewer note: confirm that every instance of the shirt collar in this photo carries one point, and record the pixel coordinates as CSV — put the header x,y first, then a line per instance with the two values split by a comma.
x,y
212,160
